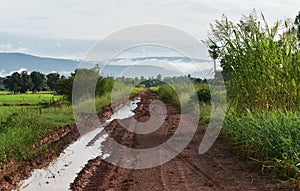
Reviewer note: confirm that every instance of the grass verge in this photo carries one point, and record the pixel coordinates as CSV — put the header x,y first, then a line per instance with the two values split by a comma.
x,y
270,139
25,126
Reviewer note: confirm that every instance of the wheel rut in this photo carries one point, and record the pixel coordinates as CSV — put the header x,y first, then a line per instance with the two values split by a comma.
x,y
217,169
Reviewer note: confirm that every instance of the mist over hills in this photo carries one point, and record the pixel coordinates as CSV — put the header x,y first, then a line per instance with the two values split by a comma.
x,y
131,67
11,62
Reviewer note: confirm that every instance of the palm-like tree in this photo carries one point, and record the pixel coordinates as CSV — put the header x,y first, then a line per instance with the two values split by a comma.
x,y
213,51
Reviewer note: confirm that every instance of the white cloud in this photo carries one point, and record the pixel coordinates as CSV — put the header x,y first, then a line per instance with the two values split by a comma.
x,y
10,48
66,73
170,66
6,46
94,19
58,44
3,73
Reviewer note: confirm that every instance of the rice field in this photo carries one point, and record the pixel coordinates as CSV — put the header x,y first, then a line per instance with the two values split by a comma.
x,y
27,99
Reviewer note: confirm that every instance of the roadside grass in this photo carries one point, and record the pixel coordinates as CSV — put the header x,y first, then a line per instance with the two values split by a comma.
x,y
22,127
187,101
168,95
6,112
261,67
30,99
205,113
137,89
270,139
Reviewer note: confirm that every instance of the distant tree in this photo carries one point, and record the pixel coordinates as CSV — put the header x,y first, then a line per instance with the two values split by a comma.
x,y
297,23
64,86
12,83
104,85
52,80
213,51
25,82
38,80
1,84
82,79
136,80
159,77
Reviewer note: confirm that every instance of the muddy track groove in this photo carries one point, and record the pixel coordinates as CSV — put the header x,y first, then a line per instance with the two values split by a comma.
x,y
217,169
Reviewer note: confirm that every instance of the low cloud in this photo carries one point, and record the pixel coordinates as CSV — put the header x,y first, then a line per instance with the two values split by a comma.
x,y
3,73
8,47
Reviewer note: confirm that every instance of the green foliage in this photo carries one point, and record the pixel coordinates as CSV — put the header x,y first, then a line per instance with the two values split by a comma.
x,y
271,139
104,85
168,95
187,102
297,23
2,88
52,80
12,83
260,63
137,89
38,80
22,127
205,113
25,82
203,95
83,80
18,99
261,68
152,82
64,87
21,83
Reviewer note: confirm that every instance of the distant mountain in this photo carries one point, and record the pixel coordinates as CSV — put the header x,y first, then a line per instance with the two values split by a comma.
x,y
131,67
10,62
163,58
152,66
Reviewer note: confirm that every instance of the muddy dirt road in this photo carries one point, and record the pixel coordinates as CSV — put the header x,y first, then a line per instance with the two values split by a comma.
x,y
217,169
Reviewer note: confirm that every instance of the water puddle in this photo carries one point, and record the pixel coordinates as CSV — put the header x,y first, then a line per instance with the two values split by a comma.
x,y
62,171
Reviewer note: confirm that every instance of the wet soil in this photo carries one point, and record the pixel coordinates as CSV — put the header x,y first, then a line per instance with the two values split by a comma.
x,y
217,169
49,147
12,172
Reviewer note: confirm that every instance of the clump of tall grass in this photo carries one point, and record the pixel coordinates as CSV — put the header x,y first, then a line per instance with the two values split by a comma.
x,y
261,68
271,139
169,95
183,99
260,63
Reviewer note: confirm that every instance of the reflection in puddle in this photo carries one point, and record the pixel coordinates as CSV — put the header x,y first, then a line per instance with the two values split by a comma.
x,y
63,170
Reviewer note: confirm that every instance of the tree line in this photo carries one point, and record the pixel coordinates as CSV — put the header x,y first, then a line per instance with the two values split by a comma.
x,y
35,81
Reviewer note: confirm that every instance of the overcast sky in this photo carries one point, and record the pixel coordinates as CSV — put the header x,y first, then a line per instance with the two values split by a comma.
x,y
69,28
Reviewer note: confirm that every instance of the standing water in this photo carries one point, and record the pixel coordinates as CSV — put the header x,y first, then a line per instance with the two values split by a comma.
x,y
61,172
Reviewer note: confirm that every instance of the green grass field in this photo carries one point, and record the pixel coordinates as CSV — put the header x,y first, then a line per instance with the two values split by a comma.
x,y
23,126
30,99
4,92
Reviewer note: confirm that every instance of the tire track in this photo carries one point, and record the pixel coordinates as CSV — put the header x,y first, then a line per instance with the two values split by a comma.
x,y
187,171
